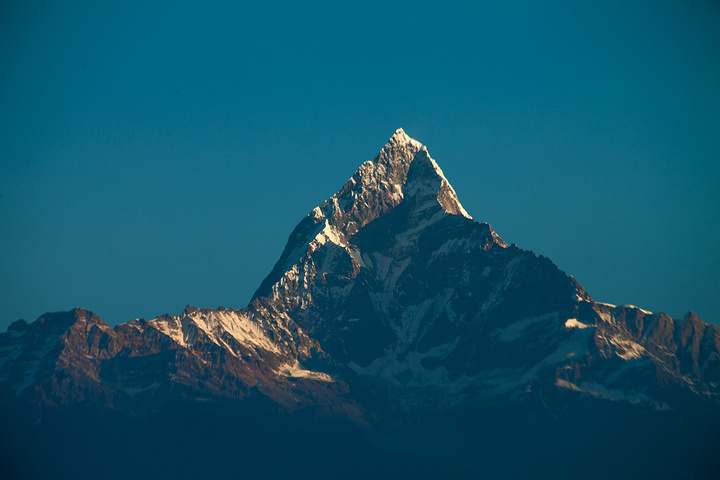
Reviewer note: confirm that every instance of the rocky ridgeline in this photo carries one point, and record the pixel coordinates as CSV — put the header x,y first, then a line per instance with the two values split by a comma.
x,y
388,304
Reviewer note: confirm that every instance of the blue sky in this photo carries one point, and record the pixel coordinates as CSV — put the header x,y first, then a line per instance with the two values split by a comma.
x,y
158,154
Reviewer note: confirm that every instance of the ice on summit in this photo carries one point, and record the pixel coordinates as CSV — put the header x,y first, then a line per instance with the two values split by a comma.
x,y
391,175
403,170
401,137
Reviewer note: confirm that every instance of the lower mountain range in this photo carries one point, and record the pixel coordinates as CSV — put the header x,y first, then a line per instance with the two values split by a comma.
x,y
396,337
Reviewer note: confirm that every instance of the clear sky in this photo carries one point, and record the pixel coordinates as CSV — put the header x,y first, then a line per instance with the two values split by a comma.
x,y
157,154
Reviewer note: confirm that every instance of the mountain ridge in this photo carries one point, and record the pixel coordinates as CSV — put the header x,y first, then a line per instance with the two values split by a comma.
x,y
391,278
389,304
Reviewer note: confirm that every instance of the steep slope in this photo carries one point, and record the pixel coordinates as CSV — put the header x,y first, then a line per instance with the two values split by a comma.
x,y
202,355
388,286
397,282
392,310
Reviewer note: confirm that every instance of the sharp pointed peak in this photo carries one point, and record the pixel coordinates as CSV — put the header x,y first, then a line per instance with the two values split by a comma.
x,y
403,171
400,137
400,133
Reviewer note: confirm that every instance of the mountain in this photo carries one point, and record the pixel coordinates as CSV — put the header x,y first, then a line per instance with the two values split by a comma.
x,y
395,321
397,282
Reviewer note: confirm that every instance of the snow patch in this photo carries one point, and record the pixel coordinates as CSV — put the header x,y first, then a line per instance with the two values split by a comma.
x,y
294,370
571,323
627,349
600,391
636,308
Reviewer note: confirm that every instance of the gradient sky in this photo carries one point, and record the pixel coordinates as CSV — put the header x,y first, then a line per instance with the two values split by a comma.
x,y
158,154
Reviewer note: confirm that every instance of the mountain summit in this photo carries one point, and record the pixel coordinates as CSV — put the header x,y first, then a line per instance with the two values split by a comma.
x,y
355,271
397,282
392,311
402,173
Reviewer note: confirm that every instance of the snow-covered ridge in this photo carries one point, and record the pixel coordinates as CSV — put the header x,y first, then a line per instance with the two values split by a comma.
x,y
247,330
400,137
646,312
383,183
183,329
629,306
402,171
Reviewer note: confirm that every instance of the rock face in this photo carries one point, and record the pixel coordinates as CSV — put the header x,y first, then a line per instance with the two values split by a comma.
x,y
389,305
74,358
399,284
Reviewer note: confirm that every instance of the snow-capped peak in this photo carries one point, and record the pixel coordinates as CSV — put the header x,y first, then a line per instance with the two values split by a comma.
x,y
402,173
400,137
385,181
